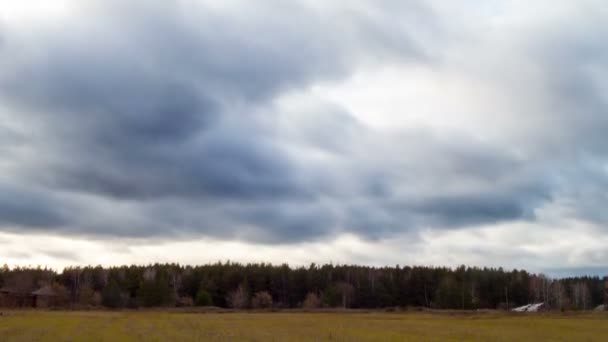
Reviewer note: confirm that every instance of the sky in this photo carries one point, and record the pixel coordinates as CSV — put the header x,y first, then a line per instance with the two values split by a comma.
x,y
362,132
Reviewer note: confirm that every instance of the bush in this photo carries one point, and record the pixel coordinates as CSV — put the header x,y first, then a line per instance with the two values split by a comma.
x,y
238,299
184,301
155,293
96,299
261,300
338,295
203,298
312,301
85,296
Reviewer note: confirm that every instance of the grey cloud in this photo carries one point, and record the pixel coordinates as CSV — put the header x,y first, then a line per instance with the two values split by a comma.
x,y
294,222
572,142
235,167
164,123
474,209
135,100
382,217
22,208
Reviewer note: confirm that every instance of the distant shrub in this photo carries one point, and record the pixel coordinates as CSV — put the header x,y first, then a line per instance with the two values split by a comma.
x,y
184,301
338,295
96,299
155,293
239,298
203,298
261,300
312,301
85,296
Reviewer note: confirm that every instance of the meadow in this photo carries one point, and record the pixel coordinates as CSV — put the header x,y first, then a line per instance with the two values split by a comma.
x,y
298,326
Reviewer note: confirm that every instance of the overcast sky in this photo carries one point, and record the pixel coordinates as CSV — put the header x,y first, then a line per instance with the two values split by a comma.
x,y
368,132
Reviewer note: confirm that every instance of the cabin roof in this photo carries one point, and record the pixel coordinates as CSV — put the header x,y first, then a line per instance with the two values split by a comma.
x,y
13,291
8,289
44,291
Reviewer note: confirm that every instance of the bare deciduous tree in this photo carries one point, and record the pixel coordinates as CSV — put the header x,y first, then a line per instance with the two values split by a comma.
x,y
312,301
580,294
261,300
239,298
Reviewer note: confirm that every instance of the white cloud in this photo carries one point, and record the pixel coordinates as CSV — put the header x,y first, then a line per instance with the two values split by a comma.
x,y
32,12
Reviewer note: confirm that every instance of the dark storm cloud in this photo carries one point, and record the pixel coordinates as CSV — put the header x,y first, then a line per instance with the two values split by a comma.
x,y
152,120
294,222
475,209
157,103
387,212
22,208
240,167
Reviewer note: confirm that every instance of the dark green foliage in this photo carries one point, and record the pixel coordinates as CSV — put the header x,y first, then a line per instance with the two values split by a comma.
x,y
155,293
203,298
335,285
111,295
332,297
3,272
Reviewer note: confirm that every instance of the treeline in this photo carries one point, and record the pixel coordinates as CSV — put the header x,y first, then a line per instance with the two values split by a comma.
x,y
263,285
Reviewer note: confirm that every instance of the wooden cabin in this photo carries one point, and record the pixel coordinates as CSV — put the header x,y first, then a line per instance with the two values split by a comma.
x,y
44,297
14,298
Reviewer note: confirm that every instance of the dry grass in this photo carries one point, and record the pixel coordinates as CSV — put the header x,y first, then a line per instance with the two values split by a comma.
x,y
298,326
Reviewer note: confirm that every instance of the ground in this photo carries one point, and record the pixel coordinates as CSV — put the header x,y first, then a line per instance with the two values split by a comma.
x,y
298,326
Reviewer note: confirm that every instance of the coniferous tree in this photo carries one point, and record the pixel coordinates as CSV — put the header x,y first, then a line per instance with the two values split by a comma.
x,y
111,296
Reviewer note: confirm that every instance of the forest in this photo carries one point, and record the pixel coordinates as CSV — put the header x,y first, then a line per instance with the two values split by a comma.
x,y
261,285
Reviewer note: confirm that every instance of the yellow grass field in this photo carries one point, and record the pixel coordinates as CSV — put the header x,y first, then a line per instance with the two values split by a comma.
x,y
298,326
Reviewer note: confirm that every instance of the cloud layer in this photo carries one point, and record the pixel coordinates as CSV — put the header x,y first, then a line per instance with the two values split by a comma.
x,y
302,122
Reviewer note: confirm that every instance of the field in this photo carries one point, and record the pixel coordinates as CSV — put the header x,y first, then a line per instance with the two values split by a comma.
x,y
298,326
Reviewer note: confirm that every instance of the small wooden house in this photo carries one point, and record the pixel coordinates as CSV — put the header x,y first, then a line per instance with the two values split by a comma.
x,y
44,297
13,298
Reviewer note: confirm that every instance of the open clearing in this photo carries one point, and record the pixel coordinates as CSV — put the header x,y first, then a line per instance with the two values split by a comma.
x,y
290,326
